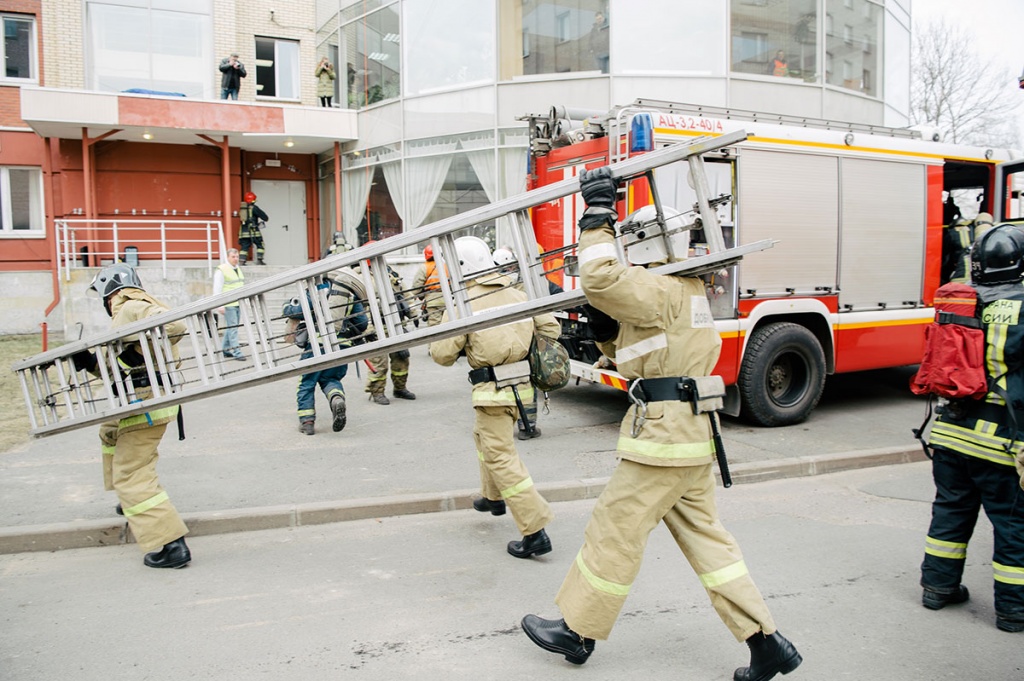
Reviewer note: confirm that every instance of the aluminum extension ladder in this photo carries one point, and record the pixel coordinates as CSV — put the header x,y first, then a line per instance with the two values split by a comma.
x,y
60,399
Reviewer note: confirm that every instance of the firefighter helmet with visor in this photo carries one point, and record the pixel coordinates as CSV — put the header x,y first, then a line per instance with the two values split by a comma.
x,y
998,256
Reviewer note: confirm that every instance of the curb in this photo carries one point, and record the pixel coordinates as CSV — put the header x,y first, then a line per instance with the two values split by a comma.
x,y
93,533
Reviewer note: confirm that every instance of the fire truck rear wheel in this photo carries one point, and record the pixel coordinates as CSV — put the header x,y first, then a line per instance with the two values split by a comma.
x,y
782,376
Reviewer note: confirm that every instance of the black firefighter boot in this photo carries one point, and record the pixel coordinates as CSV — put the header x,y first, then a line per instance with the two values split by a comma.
x,y
769,655
535,544
556,636
172,555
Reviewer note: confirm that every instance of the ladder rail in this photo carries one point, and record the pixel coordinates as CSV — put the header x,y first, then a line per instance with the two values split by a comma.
x,y
482,320
174,382
623,170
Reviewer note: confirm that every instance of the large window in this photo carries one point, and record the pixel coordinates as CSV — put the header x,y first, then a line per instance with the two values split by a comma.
x,y
448,44
778,39
369,56
553,36
277,68
21,202
19,47
853,34
163,48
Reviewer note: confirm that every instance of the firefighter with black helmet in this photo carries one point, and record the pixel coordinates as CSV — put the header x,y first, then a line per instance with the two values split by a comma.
x,y
129,444
660,330
250,234
977,446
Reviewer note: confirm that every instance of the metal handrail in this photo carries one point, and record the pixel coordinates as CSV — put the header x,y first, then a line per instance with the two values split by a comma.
x,y
156,239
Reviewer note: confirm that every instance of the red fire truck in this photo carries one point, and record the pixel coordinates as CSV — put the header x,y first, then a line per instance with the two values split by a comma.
x,y
857,213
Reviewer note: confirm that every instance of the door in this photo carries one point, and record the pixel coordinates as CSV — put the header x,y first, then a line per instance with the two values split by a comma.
x,y
284,235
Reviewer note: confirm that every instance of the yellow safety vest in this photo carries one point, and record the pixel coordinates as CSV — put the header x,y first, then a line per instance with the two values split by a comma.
x,y
233,278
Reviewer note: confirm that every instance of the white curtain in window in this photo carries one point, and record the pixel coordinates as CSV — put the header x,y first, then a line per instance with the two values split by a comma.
x,y
480,152
424,175
355,189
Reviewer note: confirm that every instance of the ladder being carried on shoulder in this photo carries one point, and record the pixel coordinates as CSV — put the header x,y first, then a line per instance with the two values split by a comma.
x,y
60,399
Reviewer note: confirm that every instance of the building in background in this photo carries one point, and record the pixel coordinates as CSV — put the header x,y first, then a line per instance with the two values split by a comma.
x,y
110,112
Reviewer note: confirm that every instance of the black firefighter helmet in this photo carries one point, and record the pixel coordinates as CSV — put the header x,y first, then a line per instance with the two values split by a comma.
x,y
998,256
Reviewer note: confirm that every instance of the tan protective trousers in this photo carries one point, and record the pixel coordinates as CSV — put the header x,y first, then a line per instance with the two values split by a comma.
x,y
502,473
129,468
378,377
636,499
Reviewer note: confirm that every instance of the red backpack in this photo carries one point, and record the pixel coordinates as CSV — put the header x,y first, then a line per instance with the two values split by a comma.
x,y
953,365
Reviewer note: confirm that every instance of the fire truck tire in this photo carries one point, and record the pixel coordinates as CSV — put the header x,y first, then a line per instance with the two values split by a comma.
x,y
782,376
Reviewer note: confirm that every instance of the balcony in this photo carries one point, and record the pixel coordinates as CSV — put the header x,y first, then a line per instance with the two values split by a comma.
x,y
252,126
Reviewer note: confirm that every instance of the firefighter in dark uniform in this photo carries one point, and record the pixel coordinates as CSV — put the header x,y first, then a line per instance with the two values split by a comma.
x,y
956,251
129,445
977,447
659,329
250,234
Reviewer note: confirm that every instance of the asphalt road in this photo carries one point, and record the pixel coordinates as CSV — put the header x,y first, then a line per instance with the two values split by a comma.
x,y
435,596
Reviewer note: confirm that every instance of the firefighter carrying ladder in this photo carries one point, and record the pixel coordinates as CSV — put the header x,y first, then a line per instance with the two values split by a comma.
x,y
60,399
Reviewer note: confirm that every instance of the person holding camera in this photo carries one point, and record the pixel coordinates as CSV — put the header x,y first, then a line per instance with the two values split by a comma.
x,y
324,81
232,72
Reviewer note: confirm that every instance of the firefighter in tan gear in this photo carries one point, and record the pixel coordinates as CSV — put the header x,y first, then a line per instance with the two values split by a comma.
x,y
396,362
501,382
130,444
426,286
660,330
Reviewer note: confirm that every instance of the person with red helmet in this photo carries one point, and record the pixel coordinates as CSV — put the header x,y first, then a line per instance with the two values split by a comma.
x,y
253,218
426,286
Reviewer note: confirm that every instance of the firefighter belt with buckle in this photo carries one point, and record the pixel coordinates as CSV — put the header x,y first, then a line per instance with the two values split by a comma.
x,y
705,394
507,375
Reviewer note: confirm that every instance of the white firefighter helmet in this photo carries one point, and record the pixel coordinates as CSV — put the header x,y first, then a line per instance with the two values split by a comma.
x,y
643,236
474,255
503,256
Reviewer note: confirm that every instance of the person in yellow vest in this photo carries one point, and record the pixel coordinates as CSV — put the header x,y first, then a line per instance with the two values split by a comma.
x,y
426,287
226,278
503,476
130,444
660,330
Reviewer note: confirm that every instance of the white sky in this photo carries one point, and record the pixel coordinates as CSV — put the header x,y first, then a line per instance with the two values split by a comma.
x,y
997,26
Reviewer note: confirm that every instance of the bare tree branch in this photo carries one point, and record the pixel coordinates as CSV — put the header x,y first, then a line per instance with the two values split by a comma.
x,y
958,91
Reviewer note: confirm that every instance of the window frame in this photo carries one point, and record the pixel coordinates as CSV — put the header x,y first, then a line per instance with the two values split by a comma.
x,y
33,50
277,71
7,230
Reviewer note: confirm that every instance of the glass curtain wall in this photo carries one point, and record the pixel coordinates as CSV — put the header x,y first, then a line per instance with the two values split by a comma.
x,y
779,38
775,38
853,34
449,44
553,36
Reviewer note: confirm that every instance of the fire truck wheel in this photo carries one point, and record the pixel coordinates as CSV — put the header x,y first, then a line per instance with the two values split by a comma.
x,y
782,376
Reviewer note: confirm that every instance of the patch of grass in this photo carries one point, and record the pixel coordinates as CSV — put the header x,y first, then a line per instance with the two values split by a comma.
x,y
14,423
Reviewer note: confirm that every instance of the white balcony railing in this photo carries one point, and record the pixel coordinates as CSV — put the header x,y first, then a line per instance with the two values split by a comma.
x,y
91,243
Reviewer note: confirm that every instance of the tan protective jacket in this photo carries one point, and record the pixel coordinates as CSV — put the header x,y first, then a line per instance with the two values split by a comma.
x,y
665,329
127,306
503,344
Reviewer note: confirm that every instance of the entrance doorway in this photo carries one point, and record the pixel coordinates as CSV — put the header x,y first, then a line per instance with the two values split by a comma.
x,y
284,235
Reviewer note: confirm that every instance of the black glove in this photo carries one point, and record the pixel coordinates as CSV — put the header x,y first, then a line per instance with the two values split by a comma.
x,y
598,187
401,354
83,359
601,325
131,359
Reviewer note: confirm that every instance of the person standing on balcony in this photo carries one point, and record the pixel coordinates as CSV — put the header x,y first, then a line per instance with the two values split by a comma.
x,y
250,234
232,72
325,82
228,277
